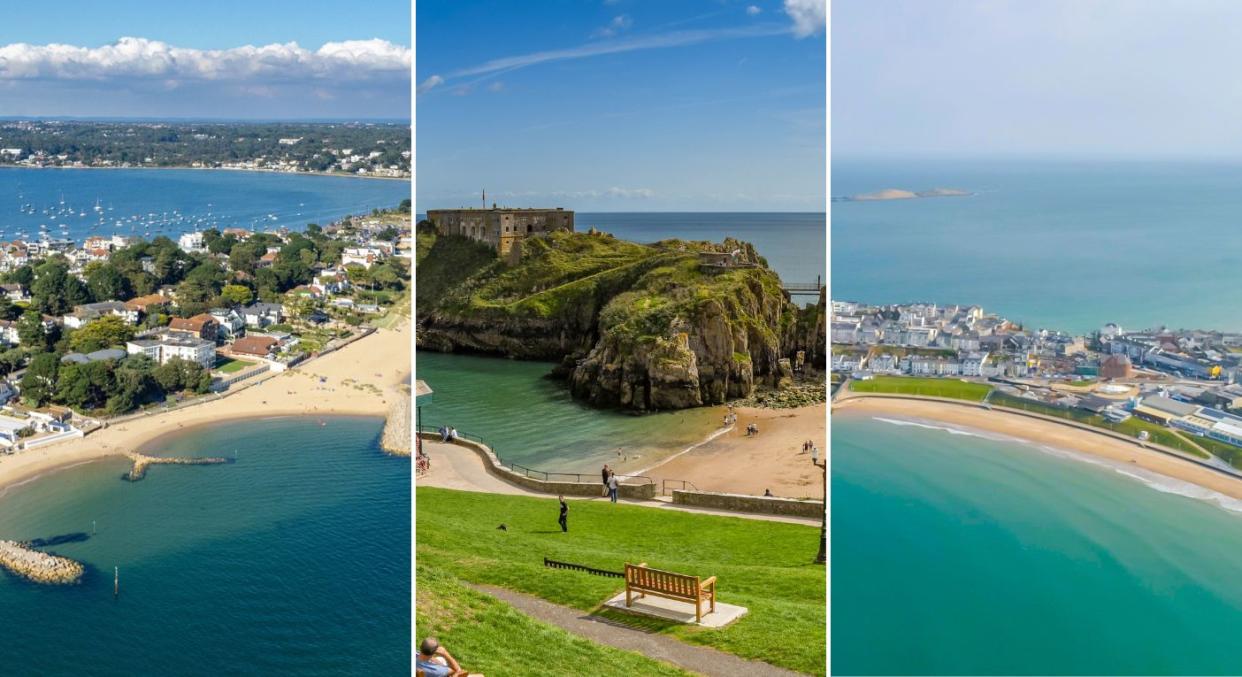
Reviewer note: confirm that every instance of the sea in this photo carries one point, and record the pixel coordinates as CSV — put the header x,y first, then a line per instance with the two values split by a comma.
x,y
78,203
959,553
532,420
294,559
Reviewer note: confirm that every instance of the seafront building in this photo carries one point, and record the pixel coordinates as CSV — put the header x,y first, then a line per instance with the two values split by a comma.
x,y
1186,379
502,228
163,347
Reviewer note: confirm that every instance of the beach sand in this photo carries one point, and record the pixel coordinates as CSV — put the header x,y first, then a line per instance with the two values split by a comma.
x,y
735,463
377,364
1046,433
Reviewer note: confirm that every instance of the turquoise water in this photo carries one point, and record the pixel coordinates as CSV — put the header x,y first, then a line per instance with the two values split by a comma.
x,y
293,560
533,421
956,554
1064,245
220,199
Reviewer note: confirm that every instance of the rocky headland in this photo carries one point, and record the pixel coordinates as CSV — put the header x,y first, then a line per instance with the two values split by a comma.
x,y
669,325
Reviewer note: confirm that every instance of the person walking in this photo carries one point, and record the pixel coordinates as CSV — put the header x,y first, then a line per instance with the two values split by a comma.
x,y
612,487
563,520
604,474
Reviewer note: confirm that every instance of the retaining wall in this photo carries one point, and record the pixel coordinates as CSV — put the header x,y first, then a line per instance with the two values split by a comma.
x,y
493,465
768,505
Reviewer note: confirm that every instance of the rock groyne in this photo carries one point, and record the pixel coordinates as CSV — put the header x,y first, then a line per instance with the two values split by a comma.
x,y
142,462
39,567
397,437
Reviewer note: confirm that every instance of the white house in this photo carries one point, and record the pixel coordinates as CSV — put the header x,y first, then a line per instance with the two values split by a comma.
x,y
164,347
191,242
262,314
232,324
86,313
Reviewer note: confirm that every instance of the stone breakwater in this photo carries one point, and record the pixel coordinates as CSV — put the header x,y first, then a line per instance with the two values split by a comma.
x,y
39,567
142,462
397,435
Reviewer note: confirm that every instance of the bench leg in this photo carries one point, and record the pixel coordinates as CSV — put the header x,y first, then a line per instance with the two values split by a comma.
x,y
698,610
628,600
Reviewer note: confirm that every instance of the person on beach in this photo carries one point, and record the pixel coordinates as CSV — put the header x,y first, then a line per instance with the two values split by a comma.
x,y
604,475
767,492
563,520
453,434
435,661
612,486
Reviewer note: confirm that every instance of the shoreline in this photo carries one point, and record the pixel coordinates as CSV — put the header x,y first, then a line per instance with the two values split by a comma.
x,y
232,169
1046,433
728,461
372,367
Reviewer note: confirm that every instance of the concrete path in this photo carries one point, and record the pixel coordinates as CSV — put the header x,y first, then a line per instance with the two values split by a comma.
x,y
455,467
699,659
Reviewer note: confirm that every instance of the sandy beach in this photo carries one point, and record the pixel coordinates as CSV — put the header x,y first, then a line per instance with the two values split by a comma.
x,y
773,459
1046,433
360,379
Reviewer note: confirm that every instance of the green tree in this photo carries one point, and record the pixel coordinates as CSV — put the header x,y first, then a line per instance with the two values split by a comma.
x,y
55,291
108,330
32,333
11,360
85,386
106,283
39,383
236,294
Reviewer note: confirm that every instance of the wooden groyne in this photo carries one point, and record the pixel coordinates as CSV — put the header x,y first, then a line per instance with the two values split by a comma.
x,y
39,567
143,461
397,436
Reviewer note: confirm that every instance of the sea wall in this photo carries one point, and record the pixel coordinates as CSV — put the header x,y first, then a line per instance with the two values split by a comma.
x,y
767,505
494,466
39,567
142,462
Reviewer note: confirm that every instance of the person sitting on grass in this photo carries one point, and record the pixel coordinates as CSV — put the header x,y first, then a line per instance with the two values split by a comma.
x,y
435,661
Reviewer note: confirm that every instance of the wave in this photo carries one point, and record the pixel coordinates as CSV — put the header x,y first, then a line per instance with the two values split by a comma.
x,y
1162,483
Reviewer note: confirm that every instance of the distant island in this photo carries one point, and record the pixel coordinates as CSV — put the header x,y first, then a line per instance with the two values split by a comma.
x,y
899,194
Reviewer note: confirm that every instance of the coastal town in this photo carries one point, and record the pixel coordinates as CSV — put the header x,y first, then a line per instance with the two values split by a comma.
x,y
356,149
1179,388
115,325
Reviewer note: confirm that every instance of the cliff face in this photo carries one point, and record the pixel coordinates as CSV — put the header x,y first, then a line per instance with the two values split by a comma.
x,y
644,327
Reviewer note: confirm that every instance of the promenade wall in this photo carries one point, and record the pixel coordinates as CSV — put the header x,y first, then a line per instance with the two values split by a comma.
x,y
767,505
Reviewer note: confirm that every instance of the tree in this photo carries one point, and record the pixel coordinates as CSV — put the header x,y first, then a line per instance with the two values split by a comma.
x,y
85,386
11,360
177,374
108,330
236,294
31,332
39,383
106,283
55,291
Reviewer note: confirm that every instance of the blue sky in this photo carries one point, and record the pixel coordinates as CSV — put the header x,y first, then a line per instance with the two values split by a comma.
x,y
154,58
1116,78
622,105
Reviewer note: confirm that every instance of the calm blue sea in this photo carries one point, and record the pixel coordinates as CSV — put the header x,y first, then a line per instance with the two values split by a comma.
x,y
293,560
151,202
1054,244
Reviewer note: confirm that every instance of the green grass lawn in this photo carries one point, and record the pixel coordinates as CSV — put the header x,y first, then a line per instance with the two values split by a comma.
x,y
487,635
764,566
230,365
932,387
1129,427
1231,454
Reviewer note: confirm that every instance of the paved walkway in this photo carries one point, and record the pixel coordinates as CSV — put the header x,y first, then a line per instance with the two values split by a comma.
x,y
456,467
699,659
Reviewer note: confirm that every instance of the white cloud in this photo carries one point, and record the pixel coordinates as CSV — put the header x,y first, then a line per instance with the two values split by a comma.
x,y
618,24
629,193
753,10
140,58
810,17
496,86
429,83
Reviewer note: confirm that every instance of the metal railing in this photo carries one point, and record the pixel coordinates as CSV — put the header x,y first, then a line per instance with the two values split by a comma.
x,y
684,483
546,476
553,564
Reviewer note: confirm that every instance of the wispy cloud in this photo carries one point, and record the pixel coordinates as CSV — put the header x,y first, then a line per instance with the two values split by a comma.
x,y
810,17
753,10
634,44
139,58
618,24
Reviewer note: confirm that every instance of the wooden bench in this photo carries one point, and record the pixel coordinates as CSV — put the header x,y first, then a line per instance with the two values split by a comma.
x,y
645,581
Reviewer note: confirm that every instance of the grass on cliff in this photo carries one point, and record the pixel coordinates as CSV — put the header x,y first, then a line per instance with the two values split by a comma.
x,y
764,566
929,387
446,262
489,636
